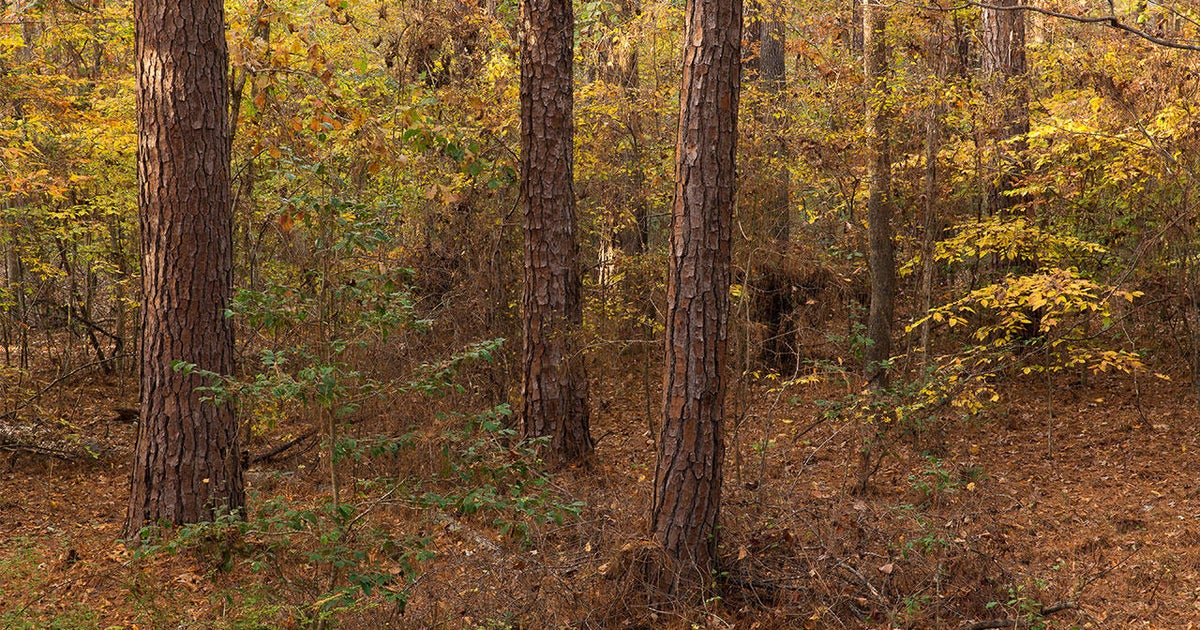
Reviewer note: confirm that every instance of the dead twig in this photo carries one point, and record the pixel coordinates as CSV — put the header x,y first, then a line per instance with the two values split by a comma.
x,y
12,413
282,448
21,447
992,624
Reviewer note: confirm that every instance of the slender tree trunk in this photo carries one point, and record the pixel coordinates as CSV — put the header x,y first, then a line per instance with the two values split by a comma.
x,y
928,266
262,30
939,59
856,32
187,463
555,379
691,448
772,74
18,312
244,201
879,205
627,230
622,69
772,281
120,281
1004,70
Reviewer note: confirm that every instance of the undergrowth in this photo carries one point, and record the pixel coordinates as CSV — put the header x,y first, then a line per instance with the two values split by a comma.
x,y
328,560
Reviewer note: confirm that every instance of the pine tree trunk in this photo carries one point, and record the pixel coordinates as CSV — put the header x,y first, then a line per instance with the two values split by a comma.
x,y
187,463
881,257
691,447
555,379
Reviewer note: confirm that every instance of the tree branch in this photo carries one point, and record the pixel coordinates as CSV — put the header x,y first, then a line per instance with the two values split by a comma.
x,y
992,624
1110,21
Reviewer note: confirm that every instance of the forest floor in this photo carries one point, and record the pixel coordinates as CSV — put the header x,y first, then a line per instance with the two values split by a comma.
x,y
1077,506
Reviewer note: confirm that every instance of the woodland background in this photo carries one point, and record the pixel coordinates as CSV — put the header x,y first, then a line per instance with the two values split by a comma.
x,y
1029,464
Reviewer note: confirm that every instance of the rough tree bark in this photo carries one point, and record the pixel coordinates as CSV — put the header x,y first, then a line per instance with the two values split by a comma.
x,y
691,448
555,387
187,464
1004,70
882,260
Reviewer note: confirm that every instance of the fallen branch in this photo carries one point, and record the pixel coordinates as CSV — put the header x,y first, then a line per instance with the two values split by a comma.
x,y
12,413
993,624
22,447
282,448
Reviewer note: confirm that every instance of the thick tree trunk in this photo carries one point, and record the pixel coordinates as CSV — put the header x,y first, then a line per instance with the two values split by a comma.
x,y
882,260
1004,71
187,464
691,447
555,379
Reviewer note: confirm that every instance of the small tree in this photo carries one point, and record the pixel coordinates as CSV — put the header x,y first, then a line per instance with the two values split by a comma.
x,y
882,256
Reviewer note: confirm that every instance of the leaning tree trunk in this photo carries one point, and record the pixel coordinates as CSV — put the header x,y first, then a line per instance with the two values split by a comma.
x,y
882,259
187,464
687,495
555,379
1004,70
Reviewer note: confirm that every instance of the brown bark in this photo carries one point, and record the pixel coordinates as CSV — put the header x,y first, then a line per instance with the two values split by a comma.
x,y
1004,69
881,257
691,447
187,464
555,379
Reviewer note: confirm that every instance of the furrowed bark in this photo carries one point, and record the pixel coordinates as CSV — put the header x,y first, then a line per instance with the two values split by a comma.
x,y
187,462
555,388
691,447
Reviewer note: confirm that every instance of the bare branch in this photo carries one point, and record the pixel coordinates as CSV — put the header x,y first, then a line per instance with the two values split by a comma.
x,y
1109,21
